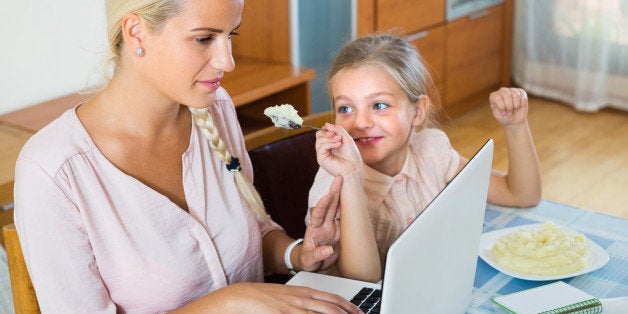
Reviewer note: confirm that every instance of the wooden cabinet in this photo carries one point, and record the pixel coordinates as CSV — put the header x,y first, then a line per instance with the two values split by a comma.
x,y
468,57
409,15
431,43
473,52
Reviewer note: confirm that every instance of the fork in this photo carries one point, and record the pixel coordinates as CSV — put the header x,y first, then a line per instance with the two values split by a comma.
x,y
294,125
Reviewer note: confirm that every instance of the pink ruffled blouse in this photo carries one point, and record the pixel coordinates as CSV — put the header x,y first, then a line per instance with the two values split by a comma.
x,y
97,240
394,202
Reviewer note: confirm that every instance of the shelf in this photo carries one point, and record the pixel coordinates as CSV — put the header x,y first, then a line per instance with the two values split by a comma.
x,y
254,80
255,85
35,117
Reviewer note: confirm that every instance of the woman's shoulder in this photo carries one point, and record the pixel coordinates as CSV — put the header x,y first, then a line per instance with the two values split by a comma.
x,y
58,141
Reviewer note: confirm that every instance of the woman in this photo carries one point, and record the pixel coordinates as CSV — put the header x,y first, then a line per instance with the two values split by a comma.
x,y
139,200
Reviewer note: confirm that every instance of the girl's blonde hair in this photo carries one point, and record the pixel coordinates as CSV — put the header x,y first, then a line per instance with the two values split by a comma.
x,y
398,58
155,14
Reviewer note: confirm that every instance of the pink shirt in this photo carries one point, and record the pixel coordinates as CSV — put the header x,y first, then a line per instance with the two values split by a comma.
x,y
393,202
97,240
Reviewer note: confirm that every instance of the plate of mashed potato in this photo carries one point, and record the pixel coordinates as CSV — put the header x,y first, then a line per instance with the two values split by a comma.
x,y
539,252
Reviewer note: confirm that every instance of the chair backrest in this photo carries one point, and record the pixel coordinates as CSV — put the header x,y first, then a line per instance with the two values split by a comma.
x,y
24,298
284,164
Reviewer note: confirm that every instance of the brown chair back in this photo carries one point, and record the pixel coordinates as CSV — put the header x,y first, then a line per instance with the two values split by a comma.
x,y
24,298
284,164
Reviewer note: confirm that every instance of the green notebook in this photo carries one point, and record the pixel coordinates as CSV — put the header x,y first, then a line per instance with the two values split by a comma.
x,y
554,298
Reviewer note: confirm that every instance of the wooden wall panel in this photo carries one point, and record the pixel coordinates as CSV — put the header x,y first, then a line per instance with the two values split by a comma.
x,y
474,55
409,16
365,17
265,31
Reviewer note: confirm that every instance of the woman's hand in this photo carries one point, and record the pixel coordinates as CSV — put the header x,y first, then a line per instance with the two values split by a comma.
x,y
269,298
318,250
336,151
509,105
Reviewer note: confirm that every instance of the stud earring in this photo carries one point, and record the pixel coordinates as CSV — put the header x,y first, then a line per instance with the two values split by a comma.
x,y
139,51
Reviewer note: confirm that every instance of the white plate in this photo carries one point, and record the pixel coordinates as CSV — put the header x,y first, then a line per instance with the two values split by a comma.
x,y
596,258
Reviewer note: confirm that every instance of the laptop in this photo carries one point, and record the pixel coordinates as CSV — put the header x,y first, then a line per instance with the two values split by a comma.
x,y
430,268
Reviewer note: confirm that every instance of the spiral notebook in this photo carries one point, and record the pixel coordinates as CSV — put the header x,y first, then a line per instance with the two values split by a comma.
x,y
554,298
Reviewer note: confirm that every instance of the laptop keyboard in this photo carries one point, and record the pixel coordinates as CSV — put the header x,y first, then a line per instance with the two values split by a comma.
x,y
368,299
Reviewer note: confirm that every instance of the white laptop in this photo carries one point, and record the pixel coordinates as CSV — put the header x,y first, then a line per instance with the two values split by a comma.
x,y
430,268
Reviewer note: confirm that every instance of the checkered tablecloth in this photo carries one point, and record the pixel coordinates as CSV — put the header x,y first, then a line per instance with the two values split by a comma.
x,y
611,233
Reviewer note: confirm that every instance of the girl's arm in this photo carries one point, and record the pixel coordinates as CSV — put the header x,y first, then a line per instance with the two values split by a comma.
x,y
521,186
338,155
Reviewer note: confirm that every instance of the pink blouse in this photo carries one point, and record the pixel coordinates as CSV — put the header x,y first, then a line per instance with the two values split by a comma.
x,y
394,202
97,240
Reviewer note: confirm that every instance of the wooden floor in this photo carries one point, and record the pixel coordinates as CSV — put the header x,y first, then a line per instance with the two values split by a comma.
x,y
584,156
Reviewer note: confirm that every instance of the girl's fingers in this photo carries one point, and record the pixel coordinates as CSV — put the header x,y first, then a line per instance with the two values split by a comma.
x,y
334,199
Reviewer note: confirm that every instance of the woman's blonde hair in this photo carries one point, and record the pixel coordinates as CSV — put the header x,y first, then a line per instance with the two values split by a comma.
x,y
396,56
204,120
155,14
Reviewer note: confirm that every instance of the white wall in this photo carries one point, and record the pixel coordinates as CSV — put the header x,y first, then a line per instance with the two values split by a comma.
x,y
49,48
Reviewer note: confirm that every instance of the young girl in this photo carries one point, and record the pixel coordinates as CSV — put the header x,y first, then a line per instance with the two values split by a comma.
x,y
379,90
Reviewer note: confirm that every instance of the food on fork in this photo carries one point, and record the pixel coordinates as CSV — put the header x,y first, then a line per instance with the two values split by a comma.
x,y
284,116
547,251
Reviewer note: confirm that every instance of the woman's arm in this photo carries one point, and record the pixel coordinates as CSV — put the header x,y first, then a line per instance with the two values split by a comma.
x,y
262,298
521,186
56,249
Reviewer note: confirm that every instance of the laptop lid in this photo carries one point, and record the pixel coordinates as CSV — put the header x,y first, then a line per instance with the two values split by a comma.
x,y
430,268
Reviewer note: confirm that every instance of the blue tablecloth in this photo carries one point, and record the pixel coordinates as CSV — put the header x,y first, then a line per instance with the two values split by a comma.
x,y
611,233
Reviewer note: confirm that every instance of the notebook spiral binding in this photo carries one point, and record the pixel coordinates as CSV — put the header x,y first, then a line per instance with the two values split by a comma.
x,y
591,306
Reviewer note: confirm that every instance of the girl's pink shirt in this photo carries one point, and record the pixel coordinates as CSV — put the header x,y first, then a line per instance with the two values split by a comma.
x,y
97,240
394,202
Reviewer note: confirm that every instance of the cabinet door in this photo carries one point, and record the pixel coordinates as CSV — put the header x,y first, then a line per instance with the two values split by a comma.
x,y
431,45
474,51
408,15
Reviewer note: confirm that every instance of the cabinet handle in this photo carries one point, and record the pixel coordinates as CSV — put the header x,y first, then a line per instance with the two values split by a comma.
x,y
416,36
477,15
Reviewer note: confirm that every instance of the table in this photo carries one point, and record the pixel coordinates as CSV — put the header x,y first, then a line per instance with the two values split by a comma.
x,y
11,141
611,233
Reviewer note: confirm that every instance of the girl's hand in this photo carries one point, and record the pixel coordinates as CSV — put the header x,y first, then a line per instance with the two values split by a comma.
x,y
336,151
261,298
322,234
509,105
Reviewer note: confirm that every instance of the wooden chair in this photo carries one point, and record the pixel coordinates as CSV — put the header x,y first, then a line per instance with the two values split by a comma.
x,y
284,164
24,299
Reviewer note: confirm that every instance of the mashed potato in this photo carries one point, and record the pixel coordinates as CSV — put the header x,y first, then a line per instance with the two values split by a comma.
x,y
282,115
545,251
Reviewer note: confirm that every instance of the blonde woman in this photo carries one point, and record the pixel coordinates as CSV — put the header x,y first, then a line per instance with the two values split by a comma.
x,y
139,200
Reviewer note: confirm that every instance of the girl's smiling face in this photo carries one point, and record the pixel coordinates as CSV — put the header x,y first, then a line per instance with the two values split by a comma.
x,y
377,113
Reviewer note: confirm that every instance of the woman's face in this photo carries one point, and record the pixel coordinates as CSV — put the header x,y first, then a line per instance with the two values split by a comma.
x,y
188,58
377,113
